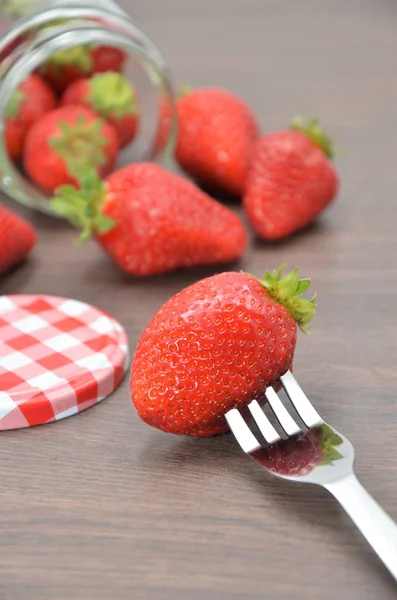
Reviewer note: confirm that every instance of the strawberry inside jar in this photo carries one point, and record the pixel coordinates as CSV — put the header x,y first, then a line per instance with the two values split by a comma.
x,y
83,84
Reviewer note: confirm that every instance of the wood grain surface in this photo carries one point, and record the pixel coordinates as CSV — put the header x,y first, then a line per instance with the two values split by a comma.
x,y
100,506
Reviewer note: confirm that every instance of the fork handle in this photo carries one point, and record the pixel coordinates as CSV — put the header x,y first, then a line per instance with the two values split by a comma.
x,y
373,522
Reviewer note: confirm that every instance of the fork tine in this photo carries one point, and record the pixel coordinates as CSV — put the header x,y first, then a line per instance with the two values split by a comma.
x,y
265,427
241,431
301,402
282,414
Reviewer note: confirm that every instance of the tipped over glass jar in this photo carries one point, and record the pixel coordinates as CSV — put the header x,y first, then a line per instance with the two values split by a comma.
x,y
87,36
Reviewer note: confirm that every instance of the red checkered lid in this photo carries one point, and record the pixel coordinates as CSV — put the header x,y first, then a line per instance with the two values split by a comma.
x,y
57,357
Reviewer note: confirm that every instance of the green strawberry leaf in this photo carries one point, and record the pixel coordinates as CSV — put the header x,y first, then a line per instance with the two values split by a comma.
x,y
287,291
83,207
276,274
66,206
330,436
303,286
14,104
289,284
80,145
104,224
313,130
112,95
329,457
329,440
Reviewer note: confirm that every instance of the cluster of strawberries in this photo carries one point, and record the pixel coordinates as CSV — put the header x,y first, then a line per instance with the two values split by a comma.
x,y
78,110
148,219
219,343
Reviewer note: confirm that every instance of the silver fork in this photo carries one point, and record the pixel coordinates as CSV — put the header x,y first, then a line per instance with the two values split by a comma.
x,y
313,452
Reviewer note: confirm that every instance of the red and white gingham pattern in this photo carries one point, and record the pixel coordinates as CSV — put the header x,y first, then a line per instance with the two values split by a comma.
x,y
57,358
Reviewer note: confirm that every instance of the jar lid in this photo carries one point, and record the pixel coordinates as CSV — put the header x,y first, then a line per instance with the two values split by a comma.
x,y
57,357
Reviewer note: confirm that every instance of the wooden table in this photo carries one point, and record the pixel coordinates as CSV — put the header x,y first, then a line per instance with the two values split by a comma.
x,y
102,507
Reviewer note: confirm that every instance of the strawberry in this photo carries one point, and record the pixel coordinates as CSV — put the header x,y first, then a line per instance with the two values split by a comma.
x,y
107,58
33,99
112,97
299,455
66,140
152,221
291,180
215,346
17,238
69,64
215,139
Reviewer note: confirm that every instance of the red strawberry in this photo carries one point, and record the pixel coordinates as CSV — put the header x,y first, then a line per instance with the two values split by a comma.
x,y
33,99
152,221
112,97
215,346
298,456
216,134
291,180
107,58
17,238
65,141
65,66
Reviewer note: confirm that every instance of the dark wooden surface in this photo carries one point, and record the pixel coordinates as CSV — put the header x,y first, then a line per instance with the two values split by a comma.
x,y
100,506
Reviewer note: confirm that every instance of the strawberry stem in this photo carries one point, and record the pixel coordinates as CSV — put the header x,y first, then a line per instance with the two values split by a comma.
x,y
318,136
80,144
287,291
112,95
83,207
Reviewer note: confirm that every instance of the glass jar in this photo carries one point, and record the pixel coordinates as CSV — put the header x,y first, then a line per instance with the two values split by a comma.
x,y
44,27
